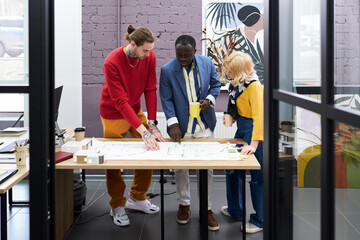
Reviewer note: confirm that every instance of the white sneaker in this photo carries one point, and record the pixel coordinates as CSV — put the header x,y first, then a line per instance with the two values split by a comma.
x,y
120,217
251,228
224,210
143,206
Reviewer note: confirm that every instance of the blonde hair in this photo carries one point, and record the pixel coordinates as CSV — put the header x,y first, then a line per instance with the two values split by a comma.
x,y
139,35
241,66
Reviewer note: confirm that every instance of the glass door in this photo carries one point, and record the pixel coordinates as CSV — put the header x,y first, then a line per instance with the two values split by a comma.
x,y
26,87
312,120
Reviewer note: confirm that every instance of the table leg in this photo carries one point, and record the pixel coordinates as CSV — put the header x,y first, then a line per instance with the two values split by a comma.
x,y
162,203
243,205
3,216
10,197
203,204
12,202
83,174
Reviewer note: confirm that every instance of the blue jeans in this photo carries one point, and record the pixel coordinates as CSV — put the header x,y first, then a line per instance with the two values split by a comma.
x,y
234,179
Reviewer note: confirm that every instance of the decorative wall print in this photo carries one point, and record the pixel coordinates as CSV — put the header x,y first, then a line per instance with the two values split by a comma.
x,y
235,26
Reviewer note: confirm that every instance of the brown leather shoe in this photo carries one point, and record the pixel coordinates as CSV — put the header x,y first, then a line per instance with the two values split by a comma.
x,y
213,225
183,214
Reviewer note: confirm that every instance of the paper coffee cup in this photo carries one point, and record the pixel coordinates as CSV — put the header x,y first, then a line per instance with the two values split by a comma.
x,y
194,109
79,133
20,155
228,120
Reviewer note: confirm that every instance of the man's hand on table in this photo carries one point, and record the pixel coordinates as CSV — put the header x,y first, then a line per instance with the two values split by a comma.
x,y
175,133
154,130
150,141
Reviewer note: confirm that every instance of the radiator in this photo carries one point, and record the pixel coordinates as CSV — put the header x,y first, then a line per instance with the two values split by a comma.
x,y
220,130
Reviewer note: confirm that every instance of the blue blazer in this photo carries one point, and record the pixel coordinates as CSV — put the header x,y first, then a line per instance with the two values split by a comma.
x,y
173,93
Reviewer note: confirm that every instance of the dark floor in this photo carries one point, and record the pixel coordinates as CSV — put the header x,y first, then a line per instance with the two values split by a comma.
x,y
147,227
95,220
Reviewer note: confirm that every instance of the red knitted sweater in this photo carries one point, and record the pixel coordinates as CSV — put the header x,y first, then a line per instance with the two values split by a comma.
x,y
124,85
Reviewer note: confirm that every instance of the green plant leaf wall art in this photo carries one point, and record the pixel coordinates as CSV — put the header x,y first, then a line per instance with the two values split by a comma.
x,y
235,26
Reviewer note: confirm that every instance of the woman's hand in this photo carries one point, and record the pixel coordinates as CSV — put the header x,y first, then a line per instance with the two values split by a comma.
x,y
250,149
223,118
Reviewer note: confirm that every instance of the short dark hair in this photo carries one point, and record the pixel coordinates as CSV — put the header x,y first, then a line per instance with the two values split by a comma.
x,y
185,40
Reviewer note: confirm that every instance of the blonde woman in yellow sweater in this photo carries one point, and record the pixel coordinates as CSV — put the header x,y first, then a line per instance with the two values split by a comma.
x,y
246,106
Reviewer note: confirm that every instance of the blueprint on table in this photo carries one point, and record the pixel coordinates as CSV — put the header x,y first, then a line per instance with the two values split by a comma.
x,y
168,151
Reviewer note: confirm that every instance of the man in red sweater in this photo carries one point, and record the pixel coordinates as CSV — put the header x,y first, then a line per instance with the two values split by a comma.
x,y
129,72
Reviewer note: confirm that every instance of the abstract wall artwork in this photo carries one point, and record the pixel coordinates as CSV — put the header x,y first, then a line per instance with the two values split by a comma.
x,y
234,26
346,145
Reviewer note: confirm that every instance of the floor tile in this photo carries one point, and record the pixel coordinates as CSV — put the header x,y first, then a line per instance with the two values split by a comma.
x,y
347,226
306,200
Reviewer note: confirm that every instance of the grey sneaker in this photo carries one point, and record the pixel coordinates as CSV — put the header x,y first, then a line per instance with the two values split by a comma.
x,y
224,210
143,206
251,228
120,217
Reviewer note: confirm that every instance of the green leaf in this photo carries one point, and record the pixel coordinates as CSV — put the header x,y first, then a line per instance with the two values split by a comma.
x,y
259,51
355,162
223,16
232,10
338,135
212,9
342,99
222,13
253,52
357,104
340,132
343,146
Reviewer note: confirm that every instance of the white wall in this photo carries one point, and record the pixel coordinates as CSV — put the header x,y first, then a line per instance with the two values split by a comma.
x,y
68,61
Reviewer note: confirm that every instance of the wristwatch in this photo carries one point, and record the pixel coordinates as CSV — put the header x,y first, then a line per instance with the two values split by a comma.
x,y
153,122
211,104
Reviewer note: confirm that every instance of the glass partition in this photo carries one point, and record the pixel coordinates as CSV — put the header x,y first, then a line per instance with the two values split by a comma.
x,y
347,55
299,46
347,181
299,171
14,43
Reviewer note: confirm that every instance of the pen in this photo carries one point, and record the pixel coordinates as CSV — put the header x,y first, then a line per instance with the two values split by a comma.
x,y
18,120
1,143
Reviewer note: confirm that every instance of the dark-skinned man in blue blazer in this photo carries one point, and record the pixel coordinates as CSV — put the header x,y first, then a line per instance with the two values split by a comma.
x,y
189,78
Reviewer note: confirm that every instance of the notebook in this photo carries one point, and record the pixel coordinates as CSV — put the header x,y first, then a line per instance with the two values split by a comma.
x,y
62,156
6,174
7,158
13,131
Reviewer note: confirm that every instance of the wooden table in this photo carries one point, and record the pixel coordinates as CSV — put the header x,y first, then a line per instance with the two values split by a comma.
x,y
202,165
6,186
23,171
